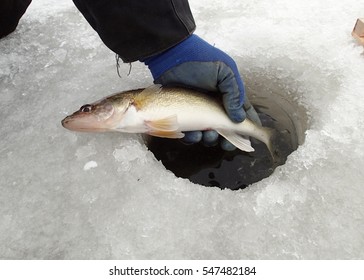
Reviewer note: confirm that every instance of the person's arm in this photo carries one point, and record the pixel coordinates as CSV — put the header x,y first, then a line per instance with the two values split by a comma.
x,y
137,29
10,13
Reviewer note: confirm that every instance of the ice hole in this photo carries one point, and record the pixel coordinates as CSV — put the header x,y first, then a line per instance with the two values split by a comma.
x,y
214,167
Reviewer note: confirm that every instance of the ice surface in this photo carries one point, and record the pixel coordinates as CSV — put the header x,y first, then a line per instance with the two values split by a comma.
x,y
129,206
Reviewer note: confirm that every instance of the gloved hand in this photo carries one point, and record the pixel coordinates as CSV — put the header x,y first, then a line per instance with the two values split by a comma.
x,y
194,63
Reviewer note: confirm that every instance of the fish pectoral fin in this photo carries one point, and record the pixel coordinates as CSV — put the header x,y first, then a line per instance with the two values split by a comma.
x,y
166,124
241,142
166,134
166,127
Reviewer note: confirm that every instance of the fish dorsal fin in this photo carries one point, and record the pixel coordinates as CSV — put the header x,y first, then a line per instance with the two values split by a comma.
x,y
166,127
241,142
143,98
157,88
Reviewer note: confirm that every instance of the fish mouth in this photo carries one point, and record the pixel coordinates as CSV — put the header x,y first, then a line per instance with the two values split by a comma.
x,y
73,124
70,124
65,122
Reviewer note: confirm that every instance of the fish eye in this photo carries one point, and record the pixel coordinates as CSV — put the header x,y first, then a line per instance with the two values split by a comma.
x,y
86,108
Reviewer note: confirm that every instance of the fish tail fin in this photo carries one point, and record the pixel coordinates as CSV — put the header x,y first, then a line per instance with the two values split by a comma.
x,y
271,141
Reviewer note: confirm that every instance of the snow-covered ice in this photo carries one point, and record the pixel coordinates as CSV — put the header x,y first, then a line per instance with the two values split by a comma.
x,y
69,195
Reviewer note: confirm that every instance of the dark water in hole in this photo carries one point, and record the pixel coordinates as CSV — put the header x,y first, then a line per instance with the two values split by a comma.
x,y
214,167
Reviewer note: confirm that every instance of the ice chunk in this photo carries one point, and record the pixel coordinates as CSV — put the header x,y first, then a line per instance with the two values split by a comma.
x,y
89,165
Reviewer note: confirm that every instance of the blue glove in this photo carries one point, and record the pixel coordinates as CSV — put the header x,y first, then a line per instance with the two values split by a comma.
x,y
196,64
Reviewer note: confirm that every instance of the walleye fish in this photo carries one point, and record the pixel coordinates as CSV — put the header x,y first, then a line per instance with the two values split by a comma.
x,y
165,112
